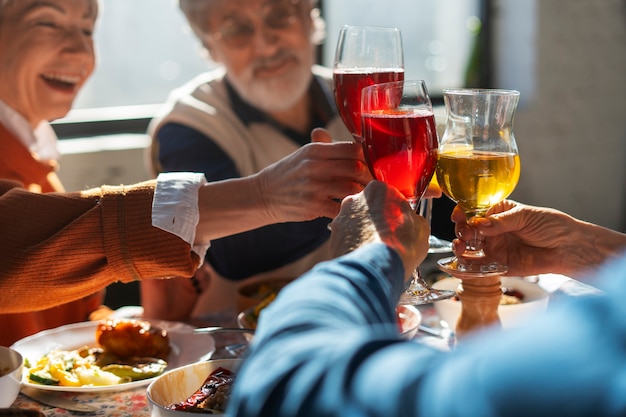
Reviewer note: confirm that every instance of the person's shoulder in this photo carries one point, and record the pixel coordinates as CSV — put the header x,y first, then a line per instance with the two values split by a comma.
x,y
205,88
189,103
322,72
212,77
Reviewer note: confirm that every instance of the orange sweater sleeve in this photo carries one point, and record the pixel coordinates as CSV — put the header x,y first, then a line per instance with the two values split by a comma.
x,y
58,247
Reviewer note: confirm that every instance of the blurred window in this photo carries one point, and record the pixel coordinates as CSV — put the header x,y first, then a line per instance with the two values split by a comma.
x,y
441,39
145,50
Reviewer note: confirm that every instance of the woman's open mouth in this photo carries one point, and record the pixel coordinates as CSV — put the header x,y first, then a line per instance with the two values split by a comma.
x,y
63,82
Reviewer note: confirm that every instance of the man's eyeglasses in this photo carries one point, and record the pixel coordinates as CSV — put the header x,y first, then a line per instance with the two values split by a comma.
x,y
238,30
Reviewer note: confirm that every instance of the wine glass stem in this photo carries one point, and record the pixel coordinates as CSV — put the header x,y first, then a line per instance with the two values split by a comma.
x,y
426,209
418,285
474,246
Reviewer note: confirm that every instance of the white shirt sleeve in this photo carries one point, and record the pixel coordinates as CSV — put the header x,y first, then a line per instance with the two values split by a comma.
x,y
175,206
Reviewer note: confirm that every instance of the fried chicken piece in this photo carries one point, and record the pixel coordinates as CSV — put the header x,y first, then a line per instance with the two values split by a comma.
x,y
127,338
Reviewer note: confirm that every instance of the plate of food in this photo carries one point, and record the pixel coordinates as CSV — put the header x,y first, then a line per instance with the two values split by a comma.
x,y
108,355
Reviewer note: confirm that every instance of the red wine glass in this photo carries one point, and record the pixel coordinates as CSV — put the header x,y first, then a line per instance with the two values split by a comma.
x,y
364,56
400,144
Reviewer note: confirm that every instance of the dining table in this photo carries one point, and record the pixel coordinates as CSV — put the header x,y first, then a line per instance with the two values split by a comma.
x,y
433,332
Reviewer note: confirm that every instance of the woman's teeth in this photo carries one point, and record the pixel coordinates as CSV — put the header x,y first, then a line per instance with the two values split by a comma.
x,y
62,78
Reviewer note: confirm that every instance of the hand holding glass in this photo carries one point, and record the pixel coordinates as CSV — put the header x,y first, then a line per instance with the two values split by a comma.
x,y
400,146
478,166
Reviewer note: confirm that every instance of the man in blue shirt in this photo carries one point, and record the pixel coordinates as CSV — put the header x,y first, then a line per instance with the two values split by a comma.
x,y
328,345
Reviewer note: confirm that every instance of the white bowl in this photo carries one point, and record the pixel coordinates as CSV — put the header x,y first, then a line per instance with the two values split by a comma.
x,y
535,301
11,365
409,318
179,384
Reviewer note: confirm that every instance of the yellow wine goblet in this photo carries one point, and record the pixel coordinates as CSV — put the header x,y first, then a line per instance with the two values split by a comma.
x,y
478,166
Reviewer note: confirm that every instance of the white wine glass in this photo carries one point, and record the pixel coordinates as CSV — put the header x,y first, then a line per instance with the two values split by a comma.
x,y
478,166
400,145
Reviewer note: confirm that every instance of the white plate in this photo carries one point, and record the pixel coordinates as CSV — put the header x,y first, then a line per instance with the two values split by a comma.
x,y
186,348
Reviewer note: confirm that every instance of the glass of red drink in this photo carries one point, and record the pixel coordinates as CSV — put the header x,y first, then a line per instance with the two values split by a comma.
x,y
364,56
400,144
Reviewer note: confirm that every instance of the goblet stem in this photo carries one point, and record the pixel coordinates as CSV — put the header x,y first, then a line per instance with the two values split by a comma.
x,y
420,293
435,245
474,246
473,262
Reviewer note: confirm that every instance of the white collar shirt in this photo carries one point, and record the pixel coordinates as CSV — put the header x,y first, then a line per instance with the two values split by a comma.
x,y
41,142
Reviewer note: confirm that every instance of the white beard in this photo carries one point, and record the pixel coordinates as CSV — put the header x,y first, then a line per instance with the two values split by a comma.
x,y
278,93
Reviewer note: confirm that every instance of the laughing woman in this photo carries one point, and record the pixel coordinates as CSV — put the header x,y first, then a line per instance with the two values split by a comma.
x,y
47,54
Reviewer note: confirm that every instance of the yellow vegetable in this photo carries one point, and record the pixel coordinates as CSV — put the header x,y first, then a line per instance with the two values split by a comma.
x,y
95,376
65,378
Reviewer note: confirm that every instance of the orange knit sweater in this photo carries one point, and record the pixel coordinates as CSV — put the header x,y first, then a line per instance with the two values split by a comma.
x,y
58,248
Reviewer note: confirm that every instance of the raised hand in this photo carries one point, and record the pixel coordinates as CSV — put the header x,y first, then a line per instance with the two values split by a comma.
x,y
535,240
380,213
312,181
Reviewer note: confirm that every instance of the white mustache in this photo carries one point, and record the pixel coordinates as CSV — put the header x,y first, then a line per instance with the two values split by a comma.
x,y
271,61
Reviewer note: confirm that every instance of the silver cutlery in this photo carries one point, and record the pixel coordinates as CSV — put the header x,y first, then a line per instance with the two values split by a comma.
x,y
216,329
430,331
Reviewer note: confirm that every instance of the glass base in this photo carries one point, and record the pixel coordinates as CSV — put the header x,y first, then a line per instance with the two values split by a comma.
x,y
465,268
424,296
436,245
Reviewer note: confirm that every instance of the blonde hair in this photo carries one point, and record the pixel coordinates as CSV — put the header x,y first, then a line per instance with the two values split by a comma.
x,y
195,12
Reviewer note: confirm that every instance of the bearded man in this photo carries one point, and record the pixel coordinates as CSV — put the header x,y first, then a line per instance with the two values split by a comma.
x,y
259,105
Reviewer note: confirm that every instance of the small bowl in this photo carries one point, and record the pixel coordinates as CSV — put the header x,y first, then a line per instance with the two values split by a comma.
x,y
511,315
179,384
409,319
11,366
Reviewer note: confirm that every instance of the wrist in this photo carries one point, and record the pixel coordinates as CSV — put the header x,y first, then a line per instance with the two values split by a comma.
x,y
592,245
231,206
259,198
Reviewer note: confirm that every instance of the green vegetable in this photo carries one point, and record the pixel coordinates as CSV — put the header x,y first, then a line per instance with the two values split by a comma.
x,y
141,368
42,377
